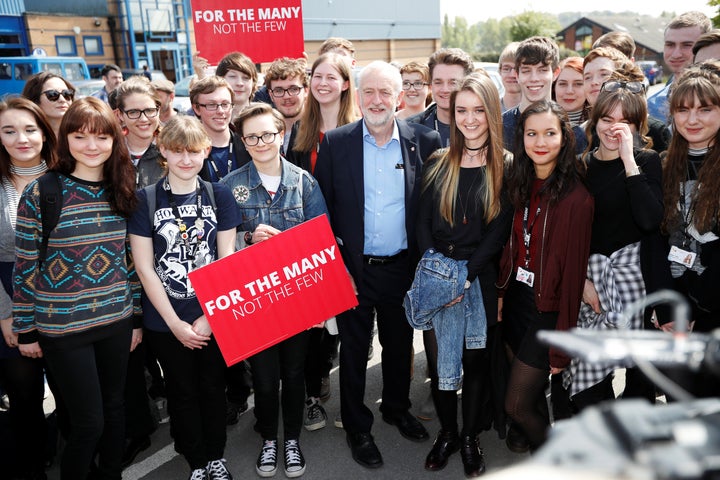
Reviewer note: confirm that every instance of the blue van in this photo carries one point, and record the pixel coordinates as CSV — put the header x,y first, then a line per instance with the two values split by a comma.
x,y
14,71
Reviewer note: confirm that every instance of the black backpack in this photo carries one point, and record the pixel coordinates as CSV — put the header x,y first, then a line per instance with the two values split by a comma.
x,y
50,188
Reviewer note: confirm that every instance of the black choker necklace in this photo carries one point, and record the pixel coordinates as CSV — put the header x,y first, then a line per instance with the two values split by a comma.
x,y
473,149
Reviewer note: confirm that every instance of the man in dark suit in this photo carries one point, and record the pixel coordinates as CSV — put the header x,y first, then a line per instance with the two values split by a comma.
x,y
370,172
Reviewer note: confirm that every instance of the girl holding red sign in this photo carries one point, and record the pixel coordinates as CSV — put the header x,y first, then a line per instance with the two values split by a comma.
x,y
273,196
191,224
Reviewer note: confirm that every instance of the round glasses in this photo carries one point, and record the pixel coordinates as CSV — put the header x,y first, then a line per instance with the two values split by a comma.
x,y
293,91
417,85
54,95
134,114
252,140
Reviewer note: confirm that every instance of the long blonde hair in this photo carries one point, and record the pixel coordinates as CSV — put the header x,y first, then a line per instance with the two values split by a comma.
x,y
308,132
444,174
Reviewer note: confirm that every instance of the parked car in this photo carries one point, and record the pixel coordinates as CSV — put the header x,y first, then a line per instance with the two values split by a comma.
x,y
14,71
652,70
129,72
85,88
492,71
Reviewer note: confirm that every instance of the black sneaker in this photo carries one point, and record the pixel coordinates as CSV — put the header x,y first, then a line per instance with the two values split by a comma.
x,y
267,460
315,416
294,460
233,412
216,470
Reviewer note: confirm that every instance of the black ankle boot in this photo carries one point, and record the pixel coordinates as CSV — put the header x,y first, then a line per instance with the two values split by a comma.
x,y
446,443
472,456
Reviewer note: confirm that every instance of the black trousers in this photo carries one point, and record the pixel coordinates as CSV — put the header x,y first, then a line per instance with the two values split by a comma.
x,y
91,379
381,289
138,419
318,362
283,362
195,383
22,378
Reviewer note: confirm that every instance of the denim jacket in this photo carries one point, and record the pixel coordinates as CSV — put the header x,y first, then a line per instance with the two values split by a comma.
x,y
438,281
298,198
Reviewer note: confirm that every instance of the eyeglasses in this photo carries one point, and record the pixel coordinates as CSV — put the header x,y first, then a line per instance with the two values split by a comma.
x,y
54,95
632,87
252,140
506,69
417,85
134,114
293,91
211,107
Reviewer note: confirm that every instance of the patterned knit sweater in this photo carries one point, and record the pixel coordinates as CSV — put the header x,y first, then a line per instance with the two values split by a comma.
x,y
85,281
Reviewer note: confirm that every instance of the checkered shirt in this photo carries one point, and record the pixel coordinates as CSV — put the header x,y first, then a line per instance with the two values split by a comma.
x,y
619,283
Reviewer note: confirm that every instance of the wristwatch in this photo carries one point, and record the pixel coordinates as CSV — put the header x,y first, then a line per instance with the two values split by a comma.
x,y
248,238
467,284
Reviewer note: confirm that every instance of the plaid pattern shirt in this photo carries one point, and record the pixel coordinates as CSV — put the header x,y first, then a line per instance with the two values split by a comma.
x,y
619,283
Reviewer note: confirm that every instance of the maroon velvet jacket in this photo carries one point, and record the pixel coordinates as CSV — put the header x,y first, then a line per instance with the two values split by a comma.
x,y
564,250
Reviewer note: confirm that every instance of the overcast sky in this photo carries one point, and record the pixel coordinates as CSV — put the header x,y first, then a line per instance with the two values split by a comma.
x,y
481,11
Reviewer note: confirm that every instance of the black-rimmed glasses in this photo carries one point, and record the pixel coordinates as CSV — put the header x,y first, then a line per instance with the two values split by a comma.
x,y
614,85
417,85
252,140
54,95
211,107
292,90
134,114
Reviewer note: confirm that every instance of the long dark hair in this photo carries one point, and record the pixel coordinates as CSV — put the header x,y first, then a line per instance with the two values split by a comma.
x,y
567,171
701,81
91,115
48,149
34,85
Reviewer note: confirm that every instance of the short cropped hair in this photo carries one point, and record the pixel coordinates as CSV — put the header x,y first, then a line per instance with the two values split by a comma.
x,y
284,68
451,56
621,41
535,50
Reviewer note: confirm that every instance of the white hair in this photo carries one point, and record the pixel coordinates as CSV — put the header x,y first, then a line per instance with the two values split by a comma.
x,y
383,69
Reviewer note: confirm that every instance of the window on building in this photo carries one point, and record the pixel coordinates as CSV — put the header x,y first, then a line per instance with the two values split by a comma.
x,y
93,45
65,45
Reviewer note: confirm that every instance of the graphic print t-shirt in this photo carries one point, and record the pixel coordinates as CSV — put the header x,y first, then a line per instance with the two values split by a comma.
x,y
174,258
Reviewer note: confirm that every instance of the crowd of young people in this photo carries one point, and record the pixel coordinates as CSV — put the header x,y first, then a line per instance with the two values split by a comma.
x,y
546,209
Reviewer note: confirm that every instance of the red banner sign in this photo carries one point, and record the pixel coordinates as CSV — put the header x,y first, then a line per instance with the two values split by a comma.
x,y
270,291
261,29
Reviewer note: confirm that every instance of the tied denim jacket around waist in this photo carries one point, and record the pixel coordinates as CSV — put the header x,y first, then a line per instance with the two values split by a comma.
x,y
438,281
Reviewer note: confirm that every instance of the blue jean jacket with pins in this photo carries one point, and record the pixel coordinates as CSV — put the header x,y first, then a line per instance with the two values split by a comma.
x,y
438,281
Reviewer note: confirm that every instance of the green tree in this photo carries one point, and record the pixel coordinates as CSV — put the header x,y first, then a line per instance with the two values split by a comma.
x,y
529,23
493,34
716,4
459,34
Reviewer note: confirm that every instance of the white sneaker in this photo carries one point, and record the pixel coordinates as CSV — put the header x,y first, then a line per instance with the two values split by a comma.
x,y
294,460
267,460
338,421
198,474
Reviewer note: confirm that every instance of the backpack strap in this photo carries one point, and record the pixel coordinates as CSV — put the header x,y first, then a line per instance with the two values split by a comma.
x,y
50,188
151,194
210,191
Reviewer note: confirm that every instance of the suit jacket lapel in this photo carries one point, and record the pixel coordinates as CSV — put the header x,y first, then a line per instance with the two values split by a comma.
x,y
356,161
409,149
